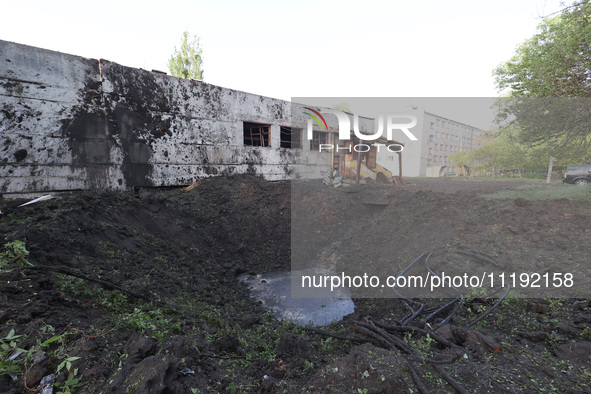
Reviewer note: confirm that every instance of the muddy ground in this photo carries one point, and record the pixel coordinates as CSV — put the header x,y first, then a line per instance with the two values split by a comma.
x,y
134,293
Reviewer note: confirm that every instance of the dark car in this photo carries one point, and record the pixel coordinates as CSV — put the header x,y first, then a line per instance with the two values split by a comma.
x,y
578,175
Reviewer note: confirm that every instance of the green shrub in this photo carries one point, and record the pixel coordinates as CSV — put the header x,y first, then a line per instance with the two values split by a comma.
x,y
14,252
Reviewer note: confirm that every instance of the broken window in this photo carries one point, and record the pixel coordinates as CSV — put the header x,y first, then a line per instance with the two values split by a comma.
x,y
291,138
256,134
318,138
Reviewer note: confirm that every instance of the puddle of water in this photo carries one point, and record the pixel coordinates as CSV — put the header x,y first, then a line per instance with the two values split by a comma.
x,y
274,291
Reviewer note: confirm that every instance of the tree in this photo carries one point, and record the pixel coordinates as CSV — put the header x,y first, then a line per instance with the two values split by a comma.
x,y
554,62
492,155
466,160
496,153
549,84
343,106
187,62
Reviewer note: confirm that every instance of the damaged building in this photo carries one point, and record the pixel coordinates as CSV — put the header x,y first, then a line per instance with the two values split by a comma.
x,y
72,123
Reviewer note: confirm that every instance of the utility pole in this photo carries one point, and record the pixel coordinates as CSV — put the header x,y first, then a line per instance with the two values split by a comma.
x,y
549,177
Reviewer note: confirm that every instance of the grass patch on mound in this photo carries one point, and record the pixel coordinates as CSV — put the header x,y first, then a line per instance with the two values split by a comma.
x,y
544,192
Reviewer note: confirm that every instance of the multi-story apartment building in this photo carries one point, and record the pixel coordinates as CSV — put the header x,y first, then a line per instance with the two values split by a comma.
x,y
438,138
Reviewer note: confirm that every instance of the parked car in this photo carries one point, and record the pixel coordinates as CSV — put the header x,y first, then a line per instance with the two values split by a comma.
x,y
579,175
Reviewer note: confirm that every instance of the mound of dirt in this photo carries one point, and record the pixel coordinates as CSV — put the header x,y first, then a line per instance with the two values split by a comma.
x,y
139,293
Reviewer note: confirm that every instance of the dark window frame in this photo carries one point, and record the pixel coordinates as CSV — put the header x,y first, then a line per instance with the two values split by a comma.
x,y
318,137
288,139
256,134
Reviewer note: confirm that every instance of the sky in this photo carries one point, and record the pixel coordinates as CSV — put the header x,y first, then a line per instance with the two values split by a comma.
x,y
321,48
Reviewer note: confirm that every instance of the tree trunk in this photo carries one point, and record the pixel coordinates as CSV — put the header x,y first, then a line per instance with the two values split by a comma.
x,y
549,177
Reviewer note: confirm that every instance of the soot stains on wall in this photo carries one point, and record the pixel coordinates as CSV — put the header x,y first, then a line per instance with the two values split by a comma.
x,y
70,123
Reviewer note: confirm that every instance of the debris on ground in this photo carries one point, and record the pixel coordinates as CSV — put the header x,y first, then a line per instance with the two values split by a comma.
x,y
129,293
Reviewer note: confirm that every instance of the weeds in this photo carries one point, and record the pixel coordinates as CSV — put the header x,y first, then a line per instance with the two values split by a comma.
x,y
71,382
112,300
9,352
15,360
154,321
15,252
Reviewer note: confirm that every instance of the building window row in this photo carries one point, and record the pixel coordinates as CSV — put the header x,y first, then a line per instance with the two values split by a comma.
x,y
446,148
448,125
259,134
451,137
440,159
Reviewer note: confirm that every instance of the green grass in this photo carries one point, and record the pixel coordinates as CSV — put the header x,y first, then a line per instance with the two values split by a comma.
x,y
485,179
545,192
501,179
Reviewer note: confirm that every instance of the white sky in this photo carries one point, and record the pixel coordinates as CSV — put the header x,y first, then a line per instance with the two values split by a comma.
x,y
362,48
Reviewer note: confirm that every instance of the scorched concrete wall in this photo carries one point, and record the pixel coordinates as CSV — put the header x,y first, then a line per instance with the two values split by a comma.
x,y
70,123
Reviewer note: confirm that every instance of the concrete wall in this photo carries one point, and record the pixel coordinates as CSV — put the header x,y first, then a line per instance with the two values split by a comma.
x,y
70,123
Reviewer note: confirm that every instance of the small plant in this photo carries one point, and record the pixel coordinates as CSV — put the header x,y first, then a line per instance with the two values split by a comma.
x,y
585,333
153,322
67,363
407,337
480,292
480,308
71,382
425,344
10,363
327,345
15,252
555,306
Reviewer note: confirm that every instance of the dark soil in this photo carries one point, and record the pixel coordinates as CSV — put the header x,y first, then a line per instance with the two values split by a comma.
x,y
139,293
